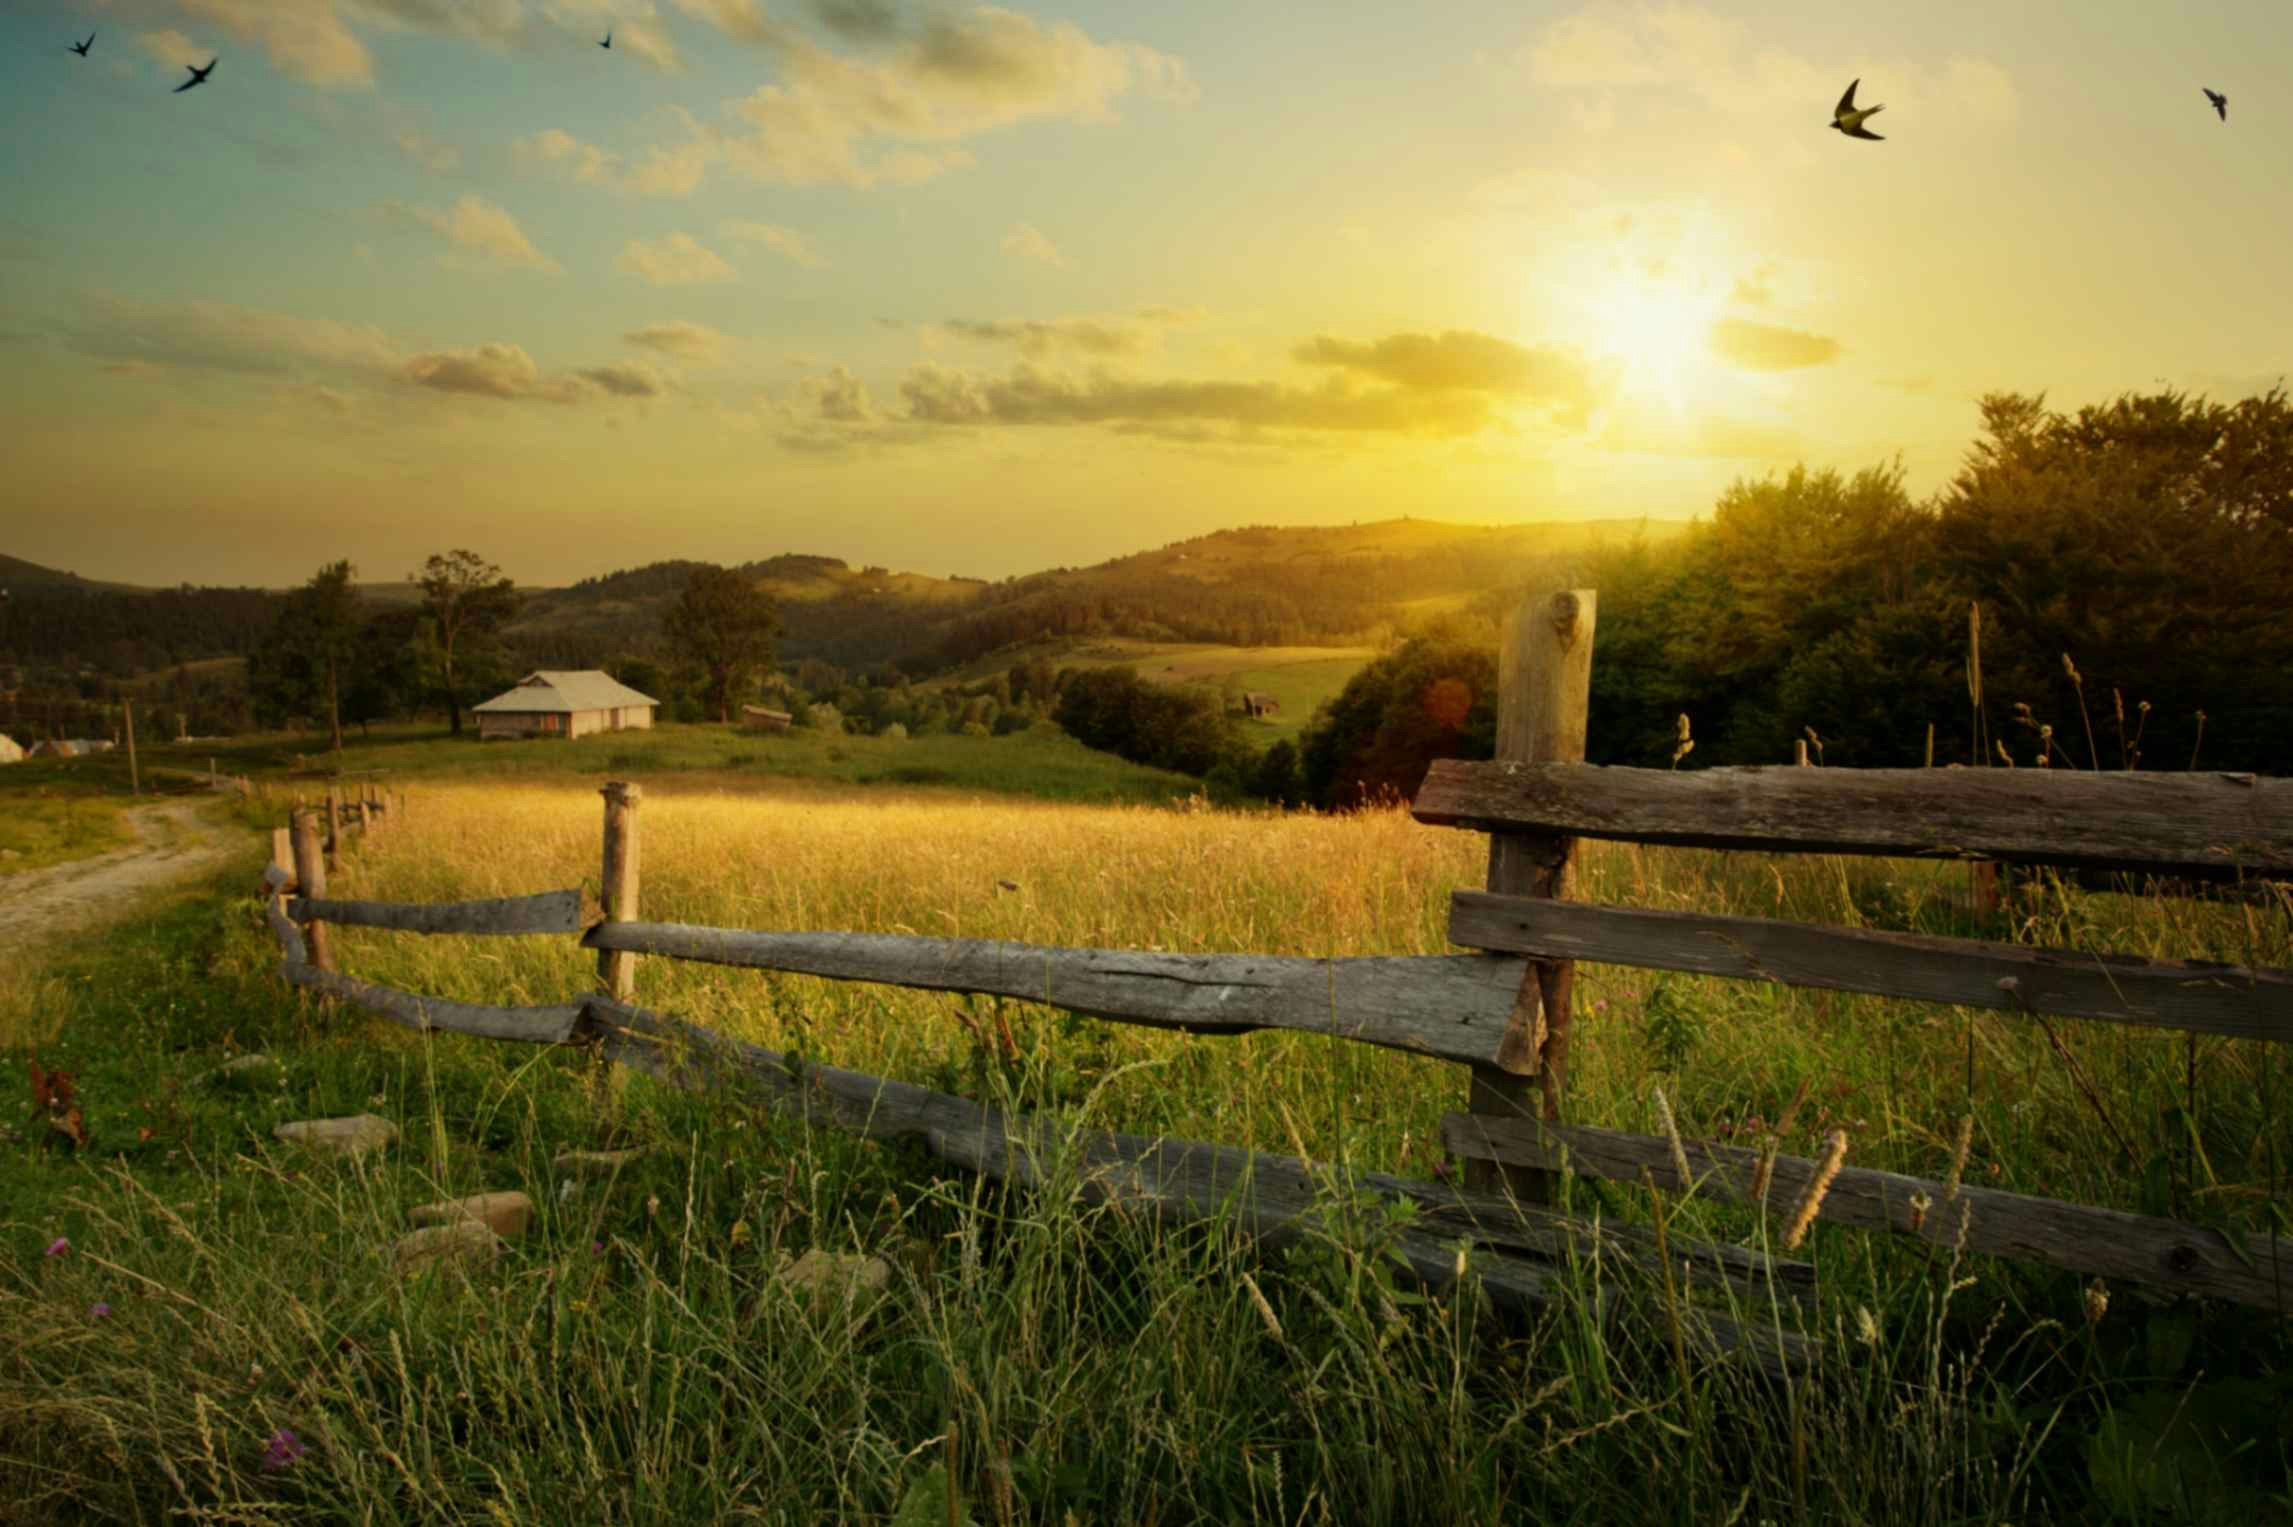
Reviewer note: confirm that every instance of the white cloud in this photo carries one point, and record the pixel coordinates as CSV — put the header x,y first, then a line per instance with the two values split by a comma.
x,y
781,241
1028,243
487,231
438,158
1720,62
680,337
585,162
678,260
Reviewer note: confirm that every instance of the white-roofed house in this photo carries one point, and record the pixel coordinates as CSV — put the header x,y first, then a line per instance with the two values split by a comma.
x,y
559,703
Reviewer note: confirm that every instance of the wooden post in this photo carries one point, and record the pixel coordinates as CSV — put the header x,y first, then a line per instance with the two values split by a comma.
x,y
1799,752
617,968
1544,685
283,850
310,877
134,775
333,827
211,780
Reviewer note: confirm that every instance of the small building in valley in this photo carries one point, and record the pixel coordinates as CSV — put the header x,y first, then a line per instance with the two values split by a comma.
x,y
1256,702
70,747
559,703
10,751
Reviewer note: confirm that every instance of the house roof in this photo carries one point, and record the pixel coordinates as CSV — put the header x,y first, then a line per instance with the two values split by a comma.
x,y
566,690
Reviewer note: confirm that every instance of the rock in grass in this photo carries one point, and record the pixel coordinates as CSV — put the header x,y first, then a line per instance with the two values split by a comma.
x,y
353,1136
593,1163
468,1242
833,1273
502,1213
243,1069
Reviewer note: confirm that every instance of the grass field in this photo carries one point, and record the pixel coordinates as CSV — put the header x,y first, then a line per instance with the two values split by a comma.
x,y
633,1357
1041,764
1301,678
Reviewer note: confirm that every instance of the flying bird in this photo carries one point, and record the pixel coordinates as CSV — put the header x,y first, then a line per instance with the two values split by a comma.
x,y
198,76
2220,102
608,42
81,48
1847,119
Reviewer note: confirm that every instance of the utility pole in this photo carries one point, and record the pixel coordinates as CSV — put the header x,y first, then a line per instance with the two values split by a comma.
x,y
134,776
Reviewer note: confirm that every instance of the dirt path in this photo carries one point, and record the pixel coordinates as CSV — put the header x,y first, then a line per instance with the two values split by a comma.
x,y
87,892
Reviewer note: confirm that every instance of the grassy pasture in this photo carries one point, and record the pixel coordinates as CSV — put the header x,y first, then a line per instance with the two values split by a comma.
x,y
633,1357
1301,678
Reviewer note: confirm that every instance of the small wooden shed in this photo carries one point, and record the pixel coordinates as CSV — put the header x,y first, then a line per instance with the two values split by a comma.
x,y
1256,702
560,703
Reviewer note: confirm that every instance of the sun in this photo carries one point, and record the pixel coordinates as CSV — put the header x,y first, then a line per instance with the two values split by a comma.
x,y
1654,328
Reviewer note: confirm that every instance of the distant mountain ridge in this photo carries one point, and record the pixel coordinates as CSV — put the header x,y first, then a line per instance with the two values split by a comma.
x,y
1258,585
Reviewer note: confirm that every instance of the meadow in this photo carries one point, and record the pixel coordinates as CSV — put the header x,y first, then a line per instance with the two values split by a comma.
x,y
635,1358
1299,678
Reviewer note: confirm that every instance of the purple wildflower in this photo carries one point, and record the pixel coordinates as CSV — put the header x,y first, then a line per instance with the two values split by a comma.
x,y
98,1310
59,1246
281,1450
597,1247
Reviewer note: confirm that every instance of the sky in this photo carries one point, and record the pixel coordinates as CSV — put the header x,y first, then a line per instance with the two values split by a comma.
x,y
975,290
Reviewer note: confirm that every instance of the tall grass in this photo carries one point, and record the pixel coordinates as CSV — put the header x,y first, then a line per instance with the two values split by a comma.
x,y
633,1358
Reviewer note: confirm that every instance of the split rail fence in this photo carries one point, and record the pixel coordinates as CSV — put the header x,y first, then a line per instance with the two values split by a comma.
x,y
1504,1013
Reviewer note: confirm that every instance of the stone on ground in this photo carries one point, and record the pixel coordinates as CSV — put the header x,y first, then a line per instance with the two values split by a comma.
x,y
829,1272
351,1137
466,1241
502,1213
252,1067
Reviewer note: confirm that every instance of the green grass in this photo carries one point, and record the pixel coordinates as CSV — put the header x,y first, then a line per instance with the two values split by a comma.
x,y
1040,764
633,1359
1301,678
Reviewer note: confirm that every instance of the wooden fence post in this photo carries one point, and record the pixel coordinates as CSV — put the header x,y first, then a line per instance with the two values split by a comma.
x,y
333,827
1799,752
283,850
1544,684
310,876
617,968
134,775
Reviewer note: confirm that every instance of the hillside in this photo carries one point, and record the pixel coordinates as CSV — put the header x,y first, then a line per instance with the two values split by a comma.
x,y
16,574
1260,586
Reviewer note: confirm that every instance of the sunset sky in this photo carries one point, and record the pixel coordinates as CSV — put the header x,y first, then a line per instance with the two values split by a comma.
x,y
981,290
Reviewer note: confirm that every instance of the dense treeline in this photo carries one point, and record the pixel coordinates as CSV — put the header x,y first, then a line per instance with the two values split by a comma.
x,y
72,627
2107,588
2134,558
1166,726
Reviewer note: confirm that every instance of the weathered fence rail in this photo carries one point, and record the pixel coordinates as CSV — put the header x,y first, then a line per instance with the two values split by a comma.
x,y
2233,829
1454,1006
2197,995
1504,1012
2200,826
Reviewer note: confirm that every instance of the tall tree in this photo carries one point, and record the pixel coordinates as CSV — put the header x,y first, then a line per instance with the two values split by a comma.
x,y
723,625
467,600
299,671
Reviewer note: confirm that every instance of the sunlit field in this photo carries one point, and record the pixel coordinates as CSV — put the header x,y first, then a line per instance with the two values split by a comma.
x,y
633,1355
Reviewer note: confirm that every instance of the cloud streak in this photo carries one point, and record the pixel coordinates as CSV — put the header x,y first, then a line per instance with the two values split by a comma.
x,y
678,260
491,237
1764,347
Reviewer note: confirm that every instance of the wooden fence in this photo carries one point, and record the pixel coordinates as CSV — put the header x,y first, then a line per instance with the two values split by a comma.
x,y
1504,1013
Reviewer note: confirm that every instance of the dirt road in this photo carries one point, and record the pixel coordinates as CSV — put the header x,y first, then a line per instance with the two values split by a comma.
x,y
172,843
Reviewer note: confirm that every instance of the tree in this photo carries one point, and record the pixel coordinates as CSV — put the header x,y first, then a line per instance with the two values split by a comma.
x,y
723,625
1379,734
299,672
467,599
386,679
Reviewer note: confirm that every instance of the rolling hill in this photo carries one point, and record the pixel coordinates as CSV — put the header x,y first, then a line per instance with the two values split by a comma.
x,y
1259,586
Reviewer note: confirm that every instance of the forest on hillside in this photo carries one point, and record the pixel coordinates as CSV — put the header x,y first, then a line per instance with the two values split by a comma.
x,y
2109,588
